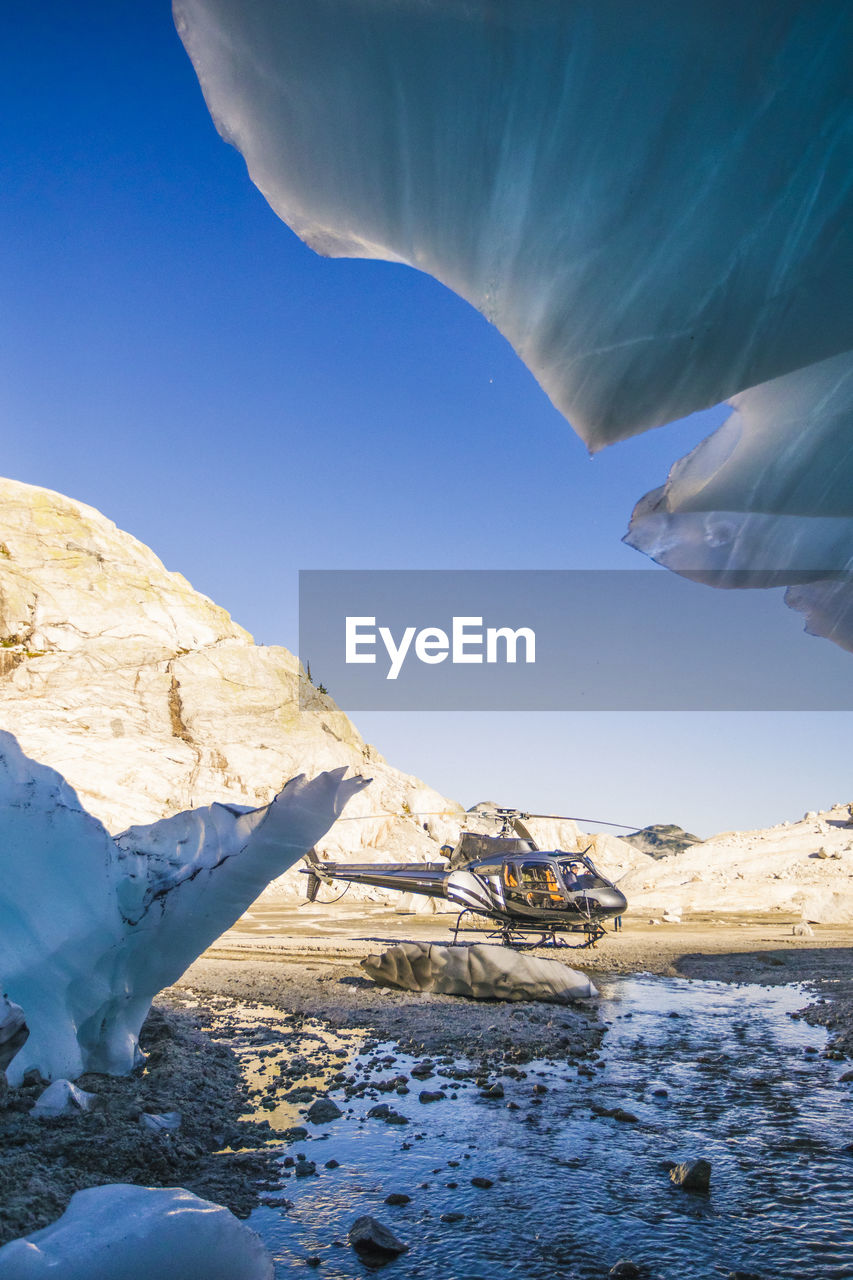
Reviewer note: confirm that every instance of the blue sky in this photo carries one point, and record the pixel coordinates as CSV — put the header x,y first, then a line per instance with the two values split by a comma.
x,y
172,354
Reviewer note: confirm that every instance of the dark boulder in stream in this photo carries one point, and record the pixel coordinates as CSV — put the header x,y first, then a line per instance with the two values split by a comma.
x,y
373,1241
692,1175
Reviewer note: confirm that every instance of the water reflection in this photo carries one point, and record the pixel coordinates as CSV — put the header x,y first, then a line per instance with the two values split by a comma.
x,y
696,1069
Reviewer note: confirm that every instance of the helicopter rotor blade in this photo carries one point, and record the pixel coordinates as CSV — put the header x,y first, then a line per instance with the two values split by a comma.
x,y
602,822
468,815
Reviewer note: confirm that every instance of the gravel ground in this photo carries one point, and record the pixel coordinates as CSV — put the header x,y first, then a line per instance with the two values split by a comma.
x,y
304,966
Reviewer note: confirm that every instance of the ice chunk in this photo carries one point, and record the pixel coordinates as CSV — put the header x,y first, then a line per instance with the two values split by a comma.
x,y
480,971
62,1098
168,1122
137,1233
656,214
13,1030
91,928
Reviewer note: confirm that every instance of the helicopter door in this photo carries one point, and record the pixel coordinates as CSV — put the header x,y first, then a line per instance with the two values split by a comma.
x,y
533,886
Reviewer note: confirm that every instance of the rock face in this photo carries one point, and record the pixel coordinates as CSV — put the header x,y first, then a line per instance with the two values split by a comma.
x,y
800,868
480,971
660,839
149,699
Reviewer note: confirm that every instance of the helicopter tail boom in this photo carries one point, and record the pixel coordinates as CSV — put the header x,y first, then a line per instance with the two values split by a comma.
x,y
415,877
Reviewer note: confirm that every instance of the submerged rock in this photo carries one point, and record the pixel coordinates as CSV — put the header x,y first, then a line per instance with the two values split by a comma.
x,y
383,1112
480,971
373,1240
692,1175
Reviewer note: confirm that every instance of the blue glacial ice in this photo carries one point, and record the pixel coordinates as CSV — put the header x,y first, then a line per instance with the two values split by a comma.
x,y
123,1232
652,203
92,927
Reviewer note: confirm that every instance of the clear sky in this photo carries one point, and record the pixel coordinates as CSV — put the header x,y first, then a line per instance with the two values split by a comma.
x,y
172,354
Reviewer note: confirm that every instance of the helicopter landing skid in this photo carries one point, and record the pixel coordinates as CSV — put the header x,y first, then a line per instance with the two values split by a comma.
x,y
524,939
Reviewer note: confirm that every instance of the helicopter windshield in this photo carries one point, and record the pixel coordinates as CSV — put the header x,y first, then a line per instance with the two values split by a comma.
x,y
579,873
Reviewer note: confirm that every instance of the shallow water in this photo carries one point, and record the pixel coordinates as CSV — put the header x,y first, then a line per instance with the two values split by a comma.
x,y
574,1192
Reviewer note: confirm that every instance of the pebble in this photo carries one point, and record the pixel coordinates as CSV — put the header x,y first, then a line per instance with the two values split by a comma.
x,y
484,1183
397,1197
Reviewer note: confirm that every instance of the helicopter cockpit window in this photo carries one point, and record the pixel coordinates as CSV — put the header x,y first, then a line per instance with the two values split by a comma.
x,y
579,875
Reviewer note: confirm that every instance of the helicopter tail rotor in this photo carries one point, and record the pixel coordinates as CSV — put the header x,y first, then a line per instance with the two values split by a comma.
x,y
313,886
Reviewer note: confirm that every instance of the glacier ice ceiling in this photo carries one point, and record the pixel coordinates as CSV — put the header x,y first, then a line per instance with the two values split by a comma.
x,y
93,926
652,203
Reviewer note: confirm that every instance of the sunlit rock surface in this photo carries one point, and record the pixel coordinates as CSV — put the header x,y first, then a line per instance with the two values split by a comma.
x,y
480,971
656,213
801,869
121,1232
92,928
150,700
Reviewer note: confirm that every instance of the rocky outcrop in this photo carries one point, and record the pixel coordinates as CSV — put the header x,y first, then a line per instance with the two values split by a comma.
x,y
150,700
660,839
802,869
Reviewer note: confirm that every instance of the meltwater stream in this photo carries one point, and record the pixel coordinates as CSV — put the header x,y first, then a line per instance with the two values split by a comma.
x,y
706,1069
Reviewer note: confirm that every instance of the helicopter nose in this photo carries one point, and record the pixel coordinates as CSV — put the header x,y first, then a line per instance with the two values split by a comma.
x,y
611,902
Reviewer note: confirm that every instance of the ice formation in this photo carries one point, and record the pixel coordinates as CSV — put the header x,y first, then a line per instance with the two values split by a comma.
x,y
480,971
122,1232
654,210
62,1098
92,927
13,1030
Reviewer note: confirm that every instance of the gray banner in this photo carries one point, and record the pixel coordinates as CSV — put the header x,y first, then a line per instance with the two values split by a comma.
x,y
560,640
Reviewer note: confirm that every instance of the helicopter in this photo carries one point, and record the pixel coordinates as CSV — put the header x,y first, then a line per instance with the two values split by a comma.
x,y
532,895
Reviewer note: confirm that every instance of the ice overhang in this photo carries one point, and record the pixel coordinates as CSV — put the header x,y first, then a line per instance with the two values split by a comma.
x,y
651,202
